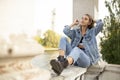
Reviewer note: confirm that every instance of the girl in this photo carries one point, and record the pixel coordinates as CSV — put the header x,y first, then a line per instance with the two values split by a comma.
x,y
82,51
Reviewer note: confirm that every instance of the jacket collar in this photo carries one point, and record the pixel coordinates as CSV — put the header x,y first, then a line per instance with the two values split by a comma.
x,y
79,30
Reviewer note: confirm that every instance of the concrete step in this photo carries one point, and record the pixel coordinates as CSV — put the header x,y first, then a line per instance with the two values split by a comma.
x,y
70,73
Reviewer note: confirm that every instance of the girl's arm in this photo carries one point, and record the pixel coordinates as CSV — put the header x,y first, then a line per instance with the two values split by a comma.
x,y
69,31
98,27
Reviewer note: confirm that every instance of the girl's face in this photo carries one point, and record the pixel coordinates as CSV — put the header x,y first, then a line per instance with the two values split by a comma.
x,y
84,21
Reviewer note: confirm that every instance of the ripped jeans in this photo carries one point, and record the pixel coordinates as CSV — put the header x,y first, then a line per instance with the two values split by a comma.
x,y
79,56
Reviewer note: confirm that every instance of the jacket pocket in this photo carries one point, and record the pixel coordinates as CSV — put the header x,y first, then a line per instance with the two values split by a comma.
x,y
88,39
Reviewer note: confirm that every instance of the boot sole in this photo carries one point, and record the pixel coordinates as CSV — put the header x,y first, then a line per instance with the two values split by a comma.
x,y
56,66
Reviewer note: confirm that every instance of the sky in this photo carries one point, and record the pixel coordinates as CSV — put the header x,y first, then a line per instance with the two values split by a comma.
x,y
44,10
30,16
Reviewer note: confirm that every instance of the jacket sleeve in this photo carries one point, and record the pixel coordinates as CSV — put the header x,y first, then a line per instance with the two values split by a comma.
x,y
98,27
67,31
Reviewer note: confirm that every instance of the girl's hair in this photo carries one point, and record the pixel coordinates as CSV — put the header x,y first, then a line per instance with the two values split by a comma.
x,y
91,21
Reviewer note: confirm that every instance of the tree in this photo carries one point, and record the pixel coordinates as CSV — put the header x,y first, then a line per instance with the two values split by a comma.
x,y
110,43
51,39
38,39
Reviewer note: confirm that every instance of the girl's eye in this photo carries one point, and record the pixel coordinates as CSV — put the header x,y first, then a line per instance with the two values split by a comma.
x,y
86,19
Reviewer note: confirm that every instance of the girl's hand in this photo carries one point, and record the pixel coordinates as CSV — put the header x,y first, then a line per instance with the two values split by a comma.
x,y
75,22
80,46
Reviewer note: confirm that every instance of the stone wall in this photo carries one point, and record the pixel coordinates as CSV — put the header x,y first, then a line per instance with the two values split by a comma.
x,y
17,45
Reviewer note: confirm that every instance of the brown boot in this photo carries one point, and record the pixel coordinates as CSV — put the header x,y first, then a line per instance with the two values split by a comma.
x,y
58,66
61,58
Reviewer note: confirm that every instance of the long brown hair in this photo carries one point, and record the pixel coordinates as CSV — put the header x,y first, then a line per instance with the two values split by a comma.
x,y
91,21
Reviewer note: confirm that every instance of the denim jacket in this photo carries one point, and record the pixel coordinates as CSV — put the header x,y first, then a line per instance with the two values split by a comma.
x,y
89,40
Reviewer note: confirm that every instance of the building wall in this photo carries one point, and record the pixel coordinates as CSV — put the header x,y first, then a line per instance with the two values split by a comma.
x,y
81,7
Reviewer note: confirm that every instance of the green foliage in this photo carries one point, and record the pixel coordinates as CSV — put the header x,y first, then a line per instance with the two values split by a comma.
x,y
39,39
110,43
51,39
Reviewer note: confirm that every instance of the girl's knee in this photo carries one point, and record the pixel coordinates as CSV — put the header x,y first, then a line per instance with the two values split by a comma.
x,y
84,65
63,38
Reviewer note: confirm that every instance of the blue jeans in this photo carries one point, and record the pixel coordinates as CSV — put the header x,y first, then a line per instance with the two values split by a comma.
x,y
79,56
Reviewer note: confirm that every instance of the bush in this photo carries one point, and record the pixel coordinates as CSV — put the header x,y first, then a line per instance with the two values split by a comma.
x,y
110,43
51,39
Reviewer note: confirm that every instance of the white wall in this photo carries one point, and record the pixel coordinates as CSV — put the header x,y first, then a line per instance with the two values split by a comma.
x,y
16,16
81,7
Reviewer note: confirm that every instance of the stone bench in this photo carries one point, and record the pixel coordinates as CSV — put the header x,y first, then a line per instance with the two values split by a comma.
x,y
111,72
78,73
70,73
39,69
94,71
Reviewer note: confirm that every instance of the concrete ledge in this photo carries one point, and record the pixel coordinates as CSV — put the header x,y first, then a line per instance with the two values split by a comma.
x,y
111,72
39,69
70,73
95,71
19,46
113,68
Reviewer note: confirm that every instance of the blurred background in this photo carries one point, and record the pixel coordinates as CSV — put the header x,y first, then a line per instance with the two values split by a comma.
x,y
30,31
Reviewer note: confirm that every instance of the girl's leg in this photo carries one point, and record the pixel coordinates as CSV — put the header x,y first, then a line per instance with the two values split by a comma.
x,y
64,48
78,56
